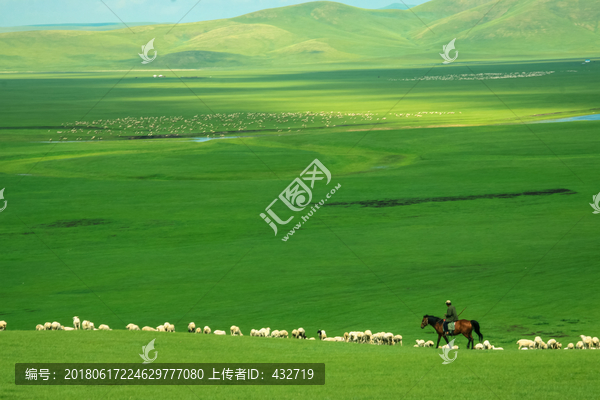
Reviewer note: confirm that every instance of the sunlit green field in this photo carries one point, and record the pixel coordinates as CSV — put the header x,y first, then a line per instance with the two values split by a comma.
x,y
475,206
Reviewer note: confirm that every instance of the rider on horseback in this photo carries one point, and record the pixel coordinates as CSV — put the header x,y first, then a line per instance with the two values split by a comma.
x,y
451,316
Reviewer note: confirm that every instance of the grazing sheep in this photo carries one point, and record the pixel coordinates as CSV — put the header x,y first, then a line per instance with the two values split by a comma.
x,y
235,331
283,334
170,328
295,334
2,325
132,327
429,343
191,327
525,343
346,337
104,327
497,348
596,342
328,339
206,330
537,342
55,325
198,330
148,329
368,337
579,345
544,346
68,328
161,328
85,325
275,334
322,334
76,323
570,346
558,346
398,339
220,333
479,346
39,327
420,343
48,326
92,327
339,339
552,344
487,345
301,333
587,341
388,338
253,332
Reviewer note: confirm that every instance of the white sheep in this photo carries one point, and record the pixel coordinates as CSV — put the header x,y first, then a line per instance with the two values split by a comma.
x,y
312,338
525,343
538,342
487,345
479,346
235,331
596,342
587,341
368,337
148,329
295,334
570,346
206,330
198,330
253,332
68,328
2,325
552,344
191,327
104,327
76,323
429,343
283,334
275,334
497,348
339,339
132,327
85,325
170,328
398,339
579,345
388,338
301,333
40,327
55,326
322,334
91,326
161,328
220,333
48,326
420,343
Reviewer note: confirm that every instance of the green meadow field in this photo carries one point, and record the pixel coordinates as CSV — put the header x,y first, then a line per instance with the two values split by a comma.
x,y
133,199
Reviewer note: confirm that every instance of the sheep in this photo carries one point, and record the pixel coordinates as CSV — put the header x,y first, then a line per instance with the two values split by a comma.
x,y
295,334
346,337
479,346
368,337
132,327
596,342
170,328
76,323
428,343
398,339
497,348
198,330
544,346
283,334
558,346
275,334
339,339
587,341
55,325
104,327
235,331
161,328
525,343
220,333
2,325
206,330
312,338
40,327
68,328
552,344
148,329
579,345
85,325
420,343
388,338
253,332
191,327
570,346
322,334
328,339
301,333
91,326
487,345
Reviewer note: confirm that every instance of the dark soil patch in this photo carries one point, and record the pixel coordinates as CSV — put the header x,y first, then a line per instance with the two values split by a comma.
x,y
418,200
76,222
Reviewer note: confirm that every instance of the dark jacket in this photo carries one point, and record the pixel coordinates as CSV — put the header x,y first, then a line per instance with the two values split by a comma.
x,y
451,315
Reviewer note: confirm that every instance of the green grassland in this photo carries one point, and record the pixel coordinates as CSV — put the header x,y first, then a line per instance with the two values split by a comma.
x,y
153,230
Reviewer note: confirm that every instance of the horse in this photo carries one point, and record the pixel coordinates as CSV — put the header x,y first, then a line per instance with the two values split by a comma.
x,y
463,326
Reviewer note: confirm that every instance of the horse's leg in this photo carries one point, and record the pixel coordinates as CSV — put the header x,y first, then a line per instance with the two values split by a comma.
x,y
438,343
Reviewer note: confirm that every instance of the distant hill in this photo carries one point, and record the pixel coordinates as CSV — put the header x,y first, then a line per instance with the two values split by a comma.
x,y
324,32
79,27
398,6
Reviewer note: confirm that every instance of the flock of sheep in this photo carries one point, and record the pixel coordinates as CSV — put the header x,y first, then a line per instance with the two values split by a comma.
x,y
479,346
586,342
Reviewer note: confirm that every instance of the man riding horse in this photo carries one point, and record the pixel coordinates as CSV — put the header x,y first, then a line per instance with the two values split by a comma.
x,y
451,316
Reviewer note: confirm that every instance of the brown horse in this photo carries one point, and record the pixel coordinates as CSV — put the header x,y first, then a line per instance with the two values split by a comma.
x,y
463,326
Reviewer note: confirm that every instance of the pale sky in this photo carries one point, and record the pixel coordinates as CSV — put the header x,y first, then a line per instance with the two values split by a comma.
x,y
37,12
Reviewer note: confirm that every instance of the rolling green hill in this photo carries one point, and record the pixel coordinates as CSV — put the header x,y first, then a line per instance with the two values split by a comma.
x,y
324,32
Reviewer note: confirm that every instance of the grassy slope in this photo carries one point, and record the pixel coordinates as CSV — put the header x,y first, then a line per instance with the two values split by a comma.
x,y
324,32
352,371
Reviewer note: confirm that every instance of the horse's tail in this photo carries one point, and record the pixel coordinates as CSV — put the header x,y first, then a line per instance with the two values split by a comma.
x,y
475,325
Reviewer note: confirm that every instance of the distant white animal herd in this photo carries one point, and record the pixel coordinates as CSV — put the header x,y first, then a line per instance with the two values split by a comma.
x,y
380,338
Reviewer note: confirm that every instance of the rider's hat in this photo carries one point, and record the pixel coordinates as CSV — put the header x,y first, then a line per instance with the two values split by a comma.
x,y
448,302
